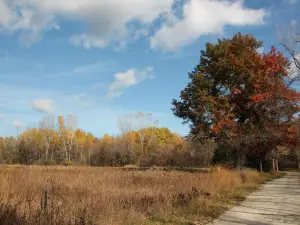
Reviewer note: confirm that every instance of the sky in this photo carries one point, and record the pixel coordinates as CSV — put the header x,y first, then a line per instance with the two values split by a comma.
x,y
102,59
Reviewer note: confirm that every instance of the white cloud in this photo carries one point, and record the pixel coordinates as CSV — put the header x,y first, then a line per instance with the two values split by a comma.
x,y
291,2
17,124
43,105
127,79
203,17
1,116
119,22
109,21
5,14
20,16
87,41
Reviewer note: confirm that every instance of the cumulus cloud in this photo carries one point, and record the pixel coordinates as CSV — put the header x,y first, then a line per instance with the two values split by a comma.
x,y
127,79
43,105
119,22
203,17
108,20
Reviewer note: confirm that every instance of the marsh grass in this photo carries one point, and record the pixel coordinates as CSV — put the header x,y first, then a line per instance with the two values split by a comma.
x,y
84,195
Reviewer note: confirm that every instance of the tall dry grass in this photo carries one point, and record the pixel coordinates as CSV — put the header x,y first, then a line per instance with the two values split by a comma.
x,y
82,195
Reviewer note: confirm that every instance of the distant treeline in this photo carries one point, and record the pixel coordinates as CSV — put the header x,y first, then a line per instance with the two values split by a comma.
x,y
141,142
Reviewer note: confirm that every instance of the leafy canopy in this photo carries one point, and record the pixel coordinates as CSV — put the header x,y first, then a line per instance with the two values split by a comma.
x,y
235,85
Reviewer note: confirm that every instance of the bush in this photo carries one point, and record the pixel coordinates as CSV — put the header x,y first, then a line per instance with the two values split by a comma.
x,y
68,163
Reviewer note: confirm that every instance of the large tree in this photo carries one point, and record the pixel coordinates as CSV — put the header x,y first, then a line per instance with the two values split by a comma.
x,y
238,95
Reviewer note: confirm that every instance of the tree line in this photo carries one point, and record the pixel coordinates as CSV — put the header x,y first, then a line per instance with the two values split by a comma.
x,y
140,142
240,104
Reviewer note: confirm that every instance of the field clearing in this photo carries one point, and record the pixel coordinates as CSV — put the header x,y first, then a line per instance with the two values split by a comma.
x,y
86,195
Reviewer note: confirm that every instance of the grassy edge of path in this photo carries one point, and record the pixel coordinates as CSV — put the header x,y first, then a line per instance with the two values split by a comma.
x,y
201,212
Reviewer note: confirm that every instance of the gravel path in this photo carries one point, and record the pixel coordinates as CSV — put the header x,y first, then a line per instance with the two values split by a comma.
x,y
277,203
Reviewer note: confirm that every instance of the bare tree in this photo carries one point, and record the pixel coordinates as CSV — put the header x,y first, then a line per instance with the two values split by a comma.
x,y
125,125
47,127
142,124
290,40
18,126
67,130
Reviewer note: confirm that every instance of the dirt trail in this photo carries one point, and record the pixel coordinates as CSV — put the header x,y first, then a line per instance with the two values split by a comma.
x,y
277,203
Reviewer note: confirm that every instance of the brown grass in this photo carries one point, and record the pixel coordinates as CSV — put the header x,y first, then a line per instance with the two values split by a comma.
x,y
83,195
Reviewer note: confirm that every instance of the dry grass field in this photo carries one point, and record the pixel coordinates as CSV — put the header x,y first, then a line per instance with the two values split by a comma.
x,y
84,195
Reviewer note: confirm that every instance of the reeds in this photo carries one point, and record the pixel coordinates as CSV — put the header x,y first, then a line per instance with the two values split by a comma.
x,y
83,195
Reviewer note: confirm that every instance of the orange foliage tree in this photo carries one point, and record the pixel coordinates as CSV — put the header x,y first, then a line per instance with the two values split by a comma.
x,y
239,95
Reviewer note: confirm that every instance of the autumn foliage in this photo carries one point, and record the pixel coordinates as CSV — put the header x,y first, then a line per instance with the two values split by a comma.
x,y
140,142
239,96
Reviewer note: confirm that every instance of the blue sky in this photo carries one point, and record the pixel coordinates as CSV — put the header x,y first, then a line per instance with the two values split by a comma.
x,y
99,60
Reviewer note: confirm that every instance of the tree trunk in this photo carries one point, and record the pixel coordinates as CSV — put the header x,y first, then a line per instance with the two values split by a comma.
x,y
273,164
47,154
298,160
89,157
277,165
236,164
260,164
